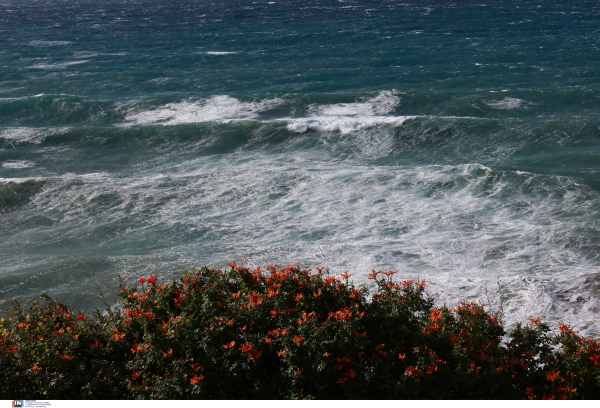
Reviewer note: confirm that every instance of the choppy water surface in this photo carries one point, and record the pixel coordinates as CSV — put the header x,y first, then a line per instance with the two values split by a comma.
x,y
458,142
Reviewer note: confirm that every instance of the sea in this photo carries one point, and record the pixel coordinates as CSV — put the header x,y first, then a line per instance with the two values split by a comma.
x,y
456,142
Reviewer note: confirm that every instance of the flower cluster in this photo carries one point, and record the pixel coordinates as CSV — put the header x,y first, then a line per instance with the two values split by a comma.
x,y
287,333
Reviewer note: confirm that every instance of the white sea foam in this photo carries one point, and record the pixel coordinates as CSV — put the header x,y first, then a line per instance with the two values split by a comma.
x,y
343,124
220,52
508,104
350,117
17,164
41,43
23,135
58,65
218,108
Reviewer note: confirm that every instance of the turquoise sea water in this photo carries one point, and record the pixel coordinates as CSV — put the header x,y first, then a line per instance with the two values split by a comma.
x,y
458,142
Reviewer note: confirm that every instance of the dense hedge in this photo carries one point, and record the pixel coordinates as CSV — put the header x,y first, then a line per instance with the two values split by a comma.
x,y
286,333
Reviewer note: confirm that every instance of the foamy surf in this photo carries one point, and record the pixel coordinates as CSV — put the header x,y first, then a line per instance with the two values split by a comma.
x,y
218,108
343,124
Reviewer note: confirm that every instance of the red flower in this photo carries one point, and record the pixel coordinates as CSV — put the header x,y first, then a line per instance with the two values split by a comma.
x,y
435,315
298,372
196,379
255,299
350,374
361,334
137,348
152,280
390,273
136,376
402,357
142,280
95,345
380,346
298,340
144,384
65,357
269,341
552,376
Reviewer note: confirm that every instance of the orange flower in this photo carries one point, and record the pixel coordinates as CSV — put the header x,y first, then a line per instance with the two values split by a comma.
x,y
36,368
298,340
65,357
196,379
346,275
136,376
552,376
383,353
281,353
350,374
327,354
195,367
402,357
226,322
430,369
119,337
361,334
317,294
299,297
298,372
236,296
137,348
168,353
535,322
269,341
390,273
255,299
373,274
435,315
342,380
228,346
380,346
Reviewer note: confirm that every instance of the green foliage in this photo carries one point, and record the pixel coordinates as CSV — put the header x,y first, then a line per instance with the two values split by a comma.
x,y
286,333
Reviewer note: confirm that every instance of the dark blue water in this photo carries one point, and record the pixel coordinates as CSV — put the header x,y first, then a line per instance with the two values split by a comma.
x,y
457,142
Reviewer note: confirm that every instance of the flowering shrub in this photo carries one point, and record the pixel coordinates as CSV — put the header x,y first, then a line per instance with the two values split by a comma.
x,y
286,333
